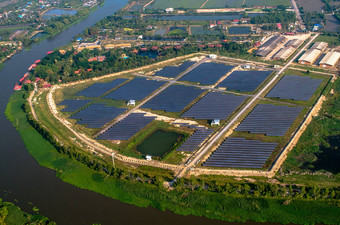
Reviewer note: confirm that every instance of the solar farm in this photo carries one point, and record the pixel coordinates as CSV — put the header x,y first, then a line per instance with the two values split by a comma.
x,y
196,98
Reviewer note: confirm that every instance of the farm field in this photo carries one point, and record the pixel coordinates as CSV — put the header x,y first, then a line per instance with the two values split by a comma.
x,y
311,5
267,2
187,4
202,31
213,4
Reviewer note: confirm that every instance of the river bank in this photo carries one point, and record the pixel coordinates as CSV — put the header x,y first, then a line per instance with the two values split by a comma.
x,y
199,203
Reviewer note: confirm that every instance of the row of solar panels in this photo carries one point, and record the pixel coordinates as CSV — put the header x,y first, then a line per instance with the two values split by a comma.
x,y
241,153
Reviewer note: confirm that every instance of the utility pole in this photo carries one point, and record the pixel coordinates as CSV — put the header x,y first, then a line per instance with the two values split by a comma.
x,y
113,160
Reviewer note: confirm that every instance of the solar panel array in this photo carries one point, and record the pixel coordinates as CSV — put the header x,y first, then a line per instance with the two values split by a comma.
x,y
174,99
73,104
207,73
137,89
241,153
98,89
194,141
214,105
244,81
127,127
97,115
272,120
174,71
295,87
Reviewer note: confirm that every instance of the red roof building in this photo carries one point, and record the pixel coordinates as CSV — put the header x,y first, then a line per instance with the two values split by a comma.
x,y
178,47
49,52
218,46
17,87
37,61
279,26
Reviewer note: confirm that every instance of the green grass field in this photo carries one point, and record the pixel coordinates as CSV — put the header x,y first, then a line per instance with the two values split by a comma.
x,y
267,2
185,4
213,4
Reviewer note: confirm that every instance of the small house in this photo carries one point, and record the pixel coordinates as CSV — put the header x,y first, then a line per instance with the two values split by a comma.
x,y
148,157
212,56
169,10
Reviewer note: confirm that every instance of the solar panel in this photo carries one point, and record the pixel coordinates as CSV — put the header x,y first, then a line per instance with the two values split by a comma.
x,y
244,81
73,104
241,153
97,115
294,87
195,140
272,120
207,73
214,105
174,99
137,89
127,127
98,89
174,71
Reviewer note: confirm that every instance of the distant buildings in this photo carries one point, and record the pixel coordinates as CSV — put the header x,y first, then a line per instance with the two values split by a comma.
x,y
169,10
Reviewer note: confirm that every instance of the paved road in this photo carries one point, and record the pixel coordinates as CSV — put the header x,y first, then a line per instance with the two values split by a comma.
x,y
217,137
298,15
123,116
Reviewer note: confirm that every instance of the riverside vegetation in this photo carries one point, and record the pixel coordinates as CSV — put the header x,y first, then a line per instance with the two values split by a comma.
x,y
11,214
214,197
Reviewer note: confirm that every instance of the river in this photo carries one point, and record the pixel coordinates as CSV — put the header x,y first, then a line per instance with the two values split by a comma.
x,y
25,181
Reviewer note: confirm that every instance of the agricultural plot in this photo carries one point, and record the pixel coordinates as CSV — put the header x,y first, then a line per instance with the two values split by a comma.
x,y
73,104
267,2
195,140
203,31
97,115
185,4
127,127
174,99
137,89
239,30
174,71
98,89
214,105
244,81
271,120
300,88
207,73
214,4
241,153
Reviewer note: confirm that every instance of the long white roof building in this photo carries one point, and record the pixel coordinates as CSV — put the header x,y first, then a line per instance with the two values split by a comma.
x,y
330,59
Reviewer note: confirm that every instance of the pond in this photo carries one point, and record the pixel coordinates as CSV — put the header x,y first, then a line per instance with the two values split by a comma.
x,y
159,143
58,12
239,30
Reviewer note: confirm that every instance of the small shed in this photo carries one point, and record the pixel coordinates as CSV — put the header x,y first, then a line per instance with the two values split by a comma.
x,y
215,122
131,102
148,157
212,56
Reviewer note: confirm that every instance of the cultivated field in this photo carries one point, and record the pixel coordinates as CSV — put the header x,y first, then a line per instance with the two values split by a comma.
x,y
187,4
310,5
213,4
267,2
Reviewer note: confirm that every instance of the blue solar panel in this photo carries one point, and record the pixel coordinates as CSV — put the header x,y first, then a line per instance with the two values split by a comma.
x,y
127,127
174,99
73,104
195,140
299,88
98,89
214,105
272,120
97,115
241,153
137,89
207,73
174,71
244,81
